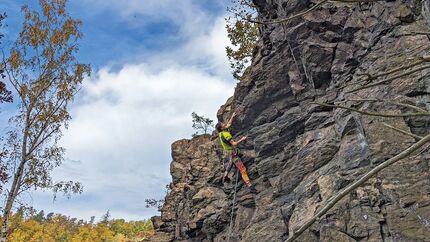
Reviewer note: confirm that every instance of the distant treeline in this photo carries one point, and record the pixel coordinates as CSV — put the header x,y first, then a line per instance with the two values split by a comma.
x,y
57,227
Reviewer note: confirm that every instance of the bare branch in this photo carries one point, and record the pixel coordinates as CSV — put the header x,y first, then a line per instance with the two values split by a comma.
x,y
388,102
289,18
307,11
387,115
331,202
422,33
421,60
407,106
391,78
402,131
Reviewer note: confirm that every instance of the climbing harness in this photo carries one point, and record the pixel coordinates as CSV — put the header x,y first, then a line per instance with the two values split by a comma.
x,y
232,209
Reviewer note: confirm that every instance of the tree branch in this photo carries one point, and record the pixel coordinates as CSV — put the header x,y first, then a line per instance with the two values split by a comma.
x,y
421,60
387,101
289,18
307,11
387,115
422,33
402,131
331,202
391,78
11,79
35,142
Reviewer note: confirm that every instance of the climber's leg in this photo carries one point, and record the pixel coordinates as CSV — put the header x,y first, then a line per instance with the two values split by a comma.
x,y
228,166
243,173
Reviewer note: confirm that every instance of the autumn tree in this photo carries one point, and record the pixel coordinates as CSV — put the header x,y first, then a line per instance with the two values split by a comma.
x,y
43,70
28,224
5,95
243,34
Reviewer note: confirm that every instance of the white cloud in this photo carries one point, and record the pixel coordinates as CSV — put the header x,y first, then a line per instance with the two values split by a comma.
x,y
187,15
125,117
202,33
204,52
212,46
124,122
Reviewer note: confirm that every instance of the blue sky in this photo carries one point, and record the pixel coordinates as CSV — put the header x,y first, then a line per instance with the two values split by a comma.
x,y
154,62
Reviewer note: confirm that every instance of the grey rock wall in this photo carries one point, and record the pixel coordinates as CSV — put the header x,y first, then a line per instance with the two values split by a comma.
x,y
300,154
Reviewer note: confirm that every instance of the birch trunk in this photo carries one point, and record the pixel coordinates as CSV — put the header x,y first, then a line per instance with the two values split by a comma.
x,y
10,199
16,185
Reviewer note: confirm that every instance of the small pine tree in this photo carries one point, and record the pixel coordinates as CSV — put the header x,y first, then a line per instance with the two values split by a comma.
x,y
152,202
106,217
50,215
40,216
92,219
201,124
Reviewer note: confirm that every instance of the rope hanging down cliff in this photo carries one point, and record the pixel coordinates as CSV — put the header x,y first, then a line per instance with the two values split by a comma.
x,y
232,208
233,156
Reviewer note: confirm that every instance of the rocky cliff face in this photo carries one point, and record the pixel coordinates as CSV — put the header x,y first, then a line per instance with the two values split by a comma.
x,y
299,154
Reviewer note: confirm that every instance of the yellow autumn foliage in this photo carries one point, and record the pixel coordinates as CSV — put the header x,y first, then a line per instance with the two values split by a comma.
x,y
59,228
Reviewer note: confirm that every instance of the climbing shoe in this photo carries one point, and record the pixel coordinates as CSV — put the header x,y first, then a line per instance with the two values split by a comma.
x,y
252,190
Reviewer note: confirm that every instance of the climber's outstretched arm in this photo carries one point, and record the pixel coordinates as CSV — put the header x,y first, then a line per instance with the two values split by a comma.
x,y
234,143
230,121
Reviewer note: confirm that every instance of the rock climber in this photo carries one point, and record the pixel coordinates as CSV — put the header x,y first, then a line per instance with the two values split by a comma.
x,y
232,153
